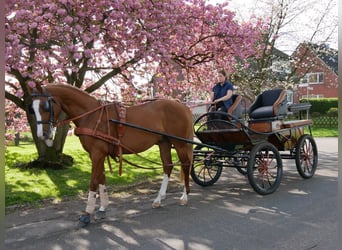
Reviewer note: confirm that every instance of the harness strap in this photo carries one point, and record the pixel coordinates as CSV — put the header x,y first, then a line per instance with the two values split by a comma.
x,y
108,132
121,110
105,137
109,165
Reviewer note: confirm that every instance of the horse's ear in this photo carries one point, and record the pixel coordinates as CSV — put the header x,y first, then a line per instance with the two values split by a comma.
x,y
35,88
39,88
29,89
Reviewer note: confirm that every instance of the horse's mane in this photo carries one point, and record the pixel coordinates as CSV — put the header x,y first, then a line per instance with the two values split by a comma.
x,y
66,86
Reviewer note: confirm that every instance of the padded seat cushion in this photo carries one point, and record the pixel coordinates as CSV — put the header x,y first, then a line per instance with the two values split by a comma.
x,y
268,98
265,111
271,104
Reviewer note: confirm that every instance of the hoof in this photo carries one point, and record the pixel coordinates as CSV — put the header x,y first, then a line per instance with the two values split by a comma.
x,y
99,215
156,204
183,202
84,220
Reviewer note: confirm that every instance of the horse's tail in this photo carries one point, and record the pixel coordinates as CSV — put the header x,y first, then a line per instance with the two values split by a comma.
x,y
181,176
190,158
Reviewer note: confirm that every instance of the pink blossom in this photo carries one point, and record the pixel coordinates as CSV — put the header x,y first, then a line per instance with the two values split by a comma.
x,y
77,56
87,53
177,43
48,16
33,25
31,84
68,19
20,93
61,12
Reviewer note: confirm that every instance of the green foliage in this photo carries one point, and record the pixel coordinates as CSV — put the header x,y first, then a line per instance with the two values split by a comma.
x,y
321,105
333,112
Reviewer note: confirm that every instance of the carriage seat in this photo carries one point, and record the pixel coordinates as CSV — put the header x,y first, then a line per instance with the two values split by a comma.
x,y
271,104
235,109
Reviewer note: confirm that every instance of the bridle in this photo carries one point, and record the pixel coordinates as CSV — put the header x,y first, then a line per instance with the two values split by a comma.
x,y
47,107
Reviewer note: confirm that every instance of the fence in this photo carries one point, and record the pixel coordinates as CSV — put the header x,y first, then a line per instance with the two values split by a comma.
x,y
325,122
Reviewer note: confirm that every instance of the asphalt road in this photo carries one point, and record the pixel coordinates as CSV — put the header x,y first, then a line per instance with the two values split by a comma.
x,y
301,214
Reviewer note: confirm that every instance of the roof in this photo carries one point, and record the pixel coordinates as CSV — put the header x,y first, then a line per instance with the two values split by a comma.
x,y
328,55
280,54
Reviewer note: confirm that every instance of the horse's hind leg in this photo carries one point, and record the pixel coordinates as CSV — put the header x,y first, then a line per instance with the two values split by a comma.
x,y
165,154
184,153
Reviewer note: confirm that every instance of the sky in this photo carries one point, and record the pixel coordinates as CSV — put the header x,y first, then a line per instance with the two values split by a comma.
x,y
302,26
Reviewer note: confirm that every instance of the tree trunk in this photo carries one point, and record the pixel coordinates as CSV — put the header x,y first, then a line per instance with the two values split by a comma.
x,y
50,157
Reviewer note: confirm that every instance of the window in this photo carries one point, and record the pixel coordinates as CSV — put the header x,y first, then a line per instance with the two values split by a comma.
x,y
313,78
289,96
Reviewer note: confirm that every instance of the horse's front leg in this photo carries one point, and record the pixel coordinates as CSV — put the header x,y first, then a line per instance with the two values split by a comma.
x,y
165,154
97,182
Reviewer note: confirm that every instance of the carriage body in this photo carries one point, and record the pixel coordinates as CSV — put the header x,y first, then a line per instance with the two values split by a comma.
x,y
255,147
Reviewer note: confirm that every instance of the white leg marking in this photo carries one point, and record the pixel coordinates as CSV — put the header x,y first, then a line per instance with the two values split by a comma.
x,y
35,107
184,199
104,201
162,192
91,202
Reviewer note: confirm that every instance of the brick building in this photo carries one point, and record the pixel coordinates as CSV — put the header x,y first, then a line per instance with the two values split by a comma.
x,y
317,67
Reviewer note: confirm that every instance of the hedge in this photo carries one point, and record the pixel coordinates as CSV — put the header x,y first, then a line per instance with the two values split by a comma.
x,y
321,105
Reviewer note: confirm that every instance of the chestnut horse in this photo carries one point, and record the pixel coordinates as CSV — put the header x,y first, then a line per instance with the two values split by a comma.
x,y
102,138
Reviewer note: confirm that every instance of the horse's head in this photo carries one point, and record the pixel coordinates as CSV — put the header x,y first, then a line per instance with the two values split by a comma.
x,y
46,111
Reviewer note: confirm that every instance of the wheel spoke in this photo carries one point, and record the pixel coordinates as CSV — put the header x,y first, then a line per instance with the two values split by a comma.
x,y
206,167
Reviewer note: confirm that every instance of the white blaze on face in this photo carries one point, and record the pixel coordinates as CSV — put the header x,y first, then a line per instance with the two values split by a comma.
x,y
35,106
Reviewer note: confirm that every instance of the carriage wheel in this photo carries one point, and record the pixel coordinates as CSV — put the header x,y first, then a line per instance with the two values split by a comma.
x,y
206,170
306,156
264,168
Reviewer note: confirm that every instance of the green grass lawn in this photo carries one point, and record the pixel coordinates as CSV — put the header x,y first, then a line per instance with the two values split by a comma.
x,y
30,186
24,186
324,132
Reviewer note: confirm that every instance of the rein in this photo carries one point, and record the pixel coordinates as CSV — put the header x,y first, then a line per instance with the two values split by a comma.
x,y
121,112
82,115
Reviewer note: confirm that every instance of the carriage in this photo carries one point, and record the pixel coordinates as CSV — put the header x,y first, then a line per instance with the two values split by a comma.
x,y
255,145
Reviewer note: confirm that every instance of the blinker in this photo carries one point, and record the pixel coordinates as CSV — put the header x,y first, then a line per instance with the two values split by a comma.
x,y
30,109
46,105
